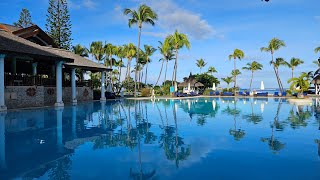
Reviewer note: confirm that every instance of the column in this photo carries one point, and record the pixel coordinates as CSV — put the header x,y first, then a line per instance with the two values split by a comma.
x,y
59,102
2,141
73,86
103,84
59,111
2,101
14,66
34,68
74,121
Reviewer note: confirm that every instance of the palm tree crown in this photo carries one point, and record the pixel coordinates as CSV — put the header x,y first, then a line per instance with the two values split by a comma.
x,y
237,54
294,62
274,45
227,80
80,50
97,50
212,70
254,66
317,49
201,63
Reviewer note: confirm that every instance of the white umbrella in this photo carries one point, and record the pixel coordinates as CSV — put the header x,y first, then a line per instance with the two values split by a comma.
x,y
189,86
262,107
175,87
213,105
214,86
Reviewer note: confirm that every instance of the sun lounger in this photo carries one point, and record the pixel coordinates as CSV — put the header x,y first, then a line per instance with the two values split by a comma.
x,y
241,94
262,94
276,94
227,94
217,93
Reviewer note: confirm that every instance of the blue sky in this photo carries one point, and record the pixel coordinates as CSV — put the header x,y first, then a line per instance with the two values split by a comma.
x,y
215,29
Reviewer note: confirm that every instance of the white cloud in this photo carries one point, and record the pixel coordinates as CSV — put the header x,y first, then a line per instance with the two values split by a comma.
x,y
172,17
89,4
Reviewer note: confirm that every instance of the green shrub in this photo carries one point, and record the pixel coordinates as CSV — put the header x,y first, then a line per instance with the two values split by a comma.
x,y
145,92
207,92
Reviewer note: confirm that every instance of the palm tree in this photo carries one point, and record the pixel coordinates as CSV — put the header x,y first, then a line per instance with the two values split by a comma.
x,y
316,63
144,14
254,66
276,64
120,53
201,63
178,41
130,52
165,49
236,72
300,84
149,50
227,80
294,62
80,50
274,45
317,49
97,50
237,54
212,70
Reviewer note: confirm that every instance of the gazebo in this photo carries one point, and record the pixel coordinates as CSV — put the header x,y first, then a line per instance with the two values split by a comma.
x,y
316,82
32,71
190,84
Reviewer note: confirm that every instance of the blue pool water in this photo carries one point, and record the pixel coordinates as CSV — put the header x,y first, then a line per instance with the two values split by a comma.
x,y
199,138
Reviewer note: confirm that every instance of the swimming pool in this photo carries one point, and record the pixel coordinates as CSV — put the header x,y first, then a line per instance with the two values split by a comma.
x,y
207,138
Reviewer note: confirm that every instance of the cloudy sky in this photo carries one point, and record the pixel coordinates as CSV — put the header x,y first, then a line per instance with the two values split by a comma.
x,y
214,27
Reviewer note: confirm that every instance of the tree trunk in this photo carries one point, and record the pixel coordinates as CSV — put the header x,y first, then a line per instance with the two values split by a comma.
x,y
276,73
165,74
110,59
176,68
119,78
292,72
251,80
235,76
128,69
159,74
137,59
145,81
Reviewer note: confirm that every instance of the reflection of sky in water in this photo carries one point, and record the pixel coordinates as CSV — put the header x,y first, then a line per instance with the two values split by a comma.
x,y
222,138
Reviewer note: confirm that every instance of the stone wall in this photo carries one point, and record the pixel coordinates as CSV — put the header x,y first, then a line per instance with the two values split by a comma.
x,y
37,96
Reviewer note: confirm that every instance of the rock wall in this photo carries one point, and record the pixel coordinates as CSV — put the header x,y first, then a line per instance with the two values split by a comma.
x,y
37,96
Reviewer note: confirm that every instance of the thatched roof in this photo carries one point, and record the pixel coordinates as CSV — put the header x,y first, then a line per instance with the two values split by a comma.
x,y
193,82
11,44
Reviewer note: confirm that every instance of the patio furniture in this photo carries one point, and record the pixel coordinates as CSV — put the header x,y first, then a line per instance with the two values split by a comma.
x,y
262,94
227,94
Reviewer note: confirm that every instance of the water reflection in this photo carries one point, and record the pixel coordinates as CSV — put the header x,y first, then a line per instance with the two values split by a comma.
x,y
46,142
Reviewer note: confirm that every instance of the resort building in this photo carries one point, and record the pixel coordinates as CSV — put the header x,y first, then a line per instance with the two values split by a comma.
x,y
190,85
34,72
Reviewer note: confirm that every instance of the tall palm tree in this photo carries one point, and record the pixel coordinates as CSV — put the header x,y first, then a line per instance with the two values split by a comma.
x,y
120,53
254,66
236,72
201,63
294,62
144,14
317,49
166,50
178,41
227,80
80,50
97,50
276,64
130,52
212,70
110,50
148,50
274,45
237,54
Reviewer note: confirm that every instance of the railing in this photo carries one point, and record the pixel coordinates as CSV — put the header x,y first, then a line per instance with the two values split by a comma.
x,y
39,80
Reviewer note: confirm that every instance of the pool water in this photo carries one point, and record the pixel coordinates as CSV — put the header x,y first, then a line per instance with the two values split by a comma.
x,y
199,138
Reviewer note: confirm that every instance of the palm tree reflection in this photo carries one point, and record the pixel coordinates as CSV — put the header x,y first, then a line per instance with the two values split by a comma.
x,y
299,117
274,144
237,134
253,117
